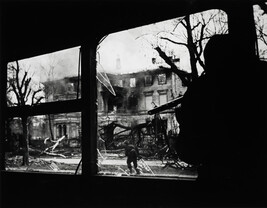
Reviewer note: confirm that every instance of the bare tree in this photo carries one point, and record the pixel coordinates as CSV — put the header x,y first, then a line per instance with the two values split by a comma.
x,y
196,30
50,88
260,17
21,93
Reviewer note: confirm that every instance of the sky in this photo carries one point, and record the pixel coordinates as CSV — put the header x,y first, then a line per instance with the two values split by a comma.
x,y
52,66
134,49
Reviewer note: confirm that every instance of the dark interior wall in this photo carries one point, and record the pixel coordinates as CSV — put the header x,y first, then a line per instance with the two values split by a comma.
x,y
44,190
33,28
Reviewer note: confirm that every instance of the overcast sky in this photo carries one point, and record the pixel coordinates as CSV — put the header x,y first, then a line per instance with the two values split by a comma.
x,y
134,48
52,66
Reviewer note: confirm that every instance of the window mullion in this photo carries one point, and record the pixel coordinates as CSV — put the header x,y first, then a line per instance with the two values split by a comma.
x,y
89,111
3,112
45,108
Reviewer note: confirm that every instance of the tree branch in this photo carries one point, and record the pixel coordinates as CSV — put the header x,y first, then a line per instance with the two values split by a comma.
x,y
196,26
38,100
182,75
262,36
172,41
17,79
26,87
33,96
23,80
200,43
185,25
199,40
27,96
16,93
177,24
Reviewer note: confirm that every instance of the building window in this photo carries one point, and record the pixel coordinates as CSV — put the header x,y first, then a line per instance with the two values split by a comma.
x,y
162,79
132,82
148,80
132,101
120,83
59,134
162,97
64,130
148,100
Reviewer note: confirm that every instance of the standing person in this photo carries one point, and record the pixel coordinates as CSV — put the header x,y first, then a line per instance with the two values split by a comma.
x,y
159,128
132,155
155,120
208,112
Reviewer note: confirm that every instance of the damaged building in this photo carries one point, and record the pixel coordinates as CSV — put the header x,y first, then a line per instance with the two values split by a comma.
x,y
68,124
136,94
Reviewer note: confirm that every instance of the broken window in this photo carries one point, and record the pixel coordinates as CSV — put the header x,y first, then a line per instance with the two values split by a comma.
x,y
120,83
133,101
46,78
162,97
148,80
53,143
148,100
43,125
132,82
162,79
158,50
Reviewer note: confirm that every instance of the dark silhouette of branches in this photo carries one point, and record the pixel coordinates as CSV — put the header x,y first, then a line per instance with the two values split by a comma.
x,y
21,87
184,76
199,29
261,30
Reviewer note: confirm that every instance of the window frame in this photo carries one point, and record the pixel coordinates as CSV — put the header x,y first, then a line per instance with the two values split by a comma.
x,y
165,93
148,80
160,81
132,82
171,192
148,94
83,105
88,71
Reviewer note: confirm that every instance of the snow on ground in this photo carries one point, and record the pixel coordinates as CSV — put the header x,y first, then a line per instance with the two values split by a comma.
x,y
108,165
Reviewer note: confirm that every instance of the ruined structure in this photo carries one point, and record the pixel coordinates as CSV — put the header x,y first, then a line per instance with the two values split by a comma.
x,y
68,124
135,95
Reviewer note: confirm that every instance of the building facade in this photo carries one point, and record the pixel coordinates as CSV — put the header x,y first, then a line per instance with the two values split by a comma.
x,y
67,124
136,94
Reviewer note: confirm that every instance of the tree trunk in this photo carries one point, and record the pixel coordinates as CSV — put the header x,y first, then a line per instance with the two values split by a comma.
x,y
50,127
191,45
25,145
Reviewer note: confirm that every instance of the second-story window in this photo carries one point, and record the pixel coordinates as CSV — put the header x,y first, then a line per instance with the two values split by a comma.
x,y
148,80
132,82
162,79
120,83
